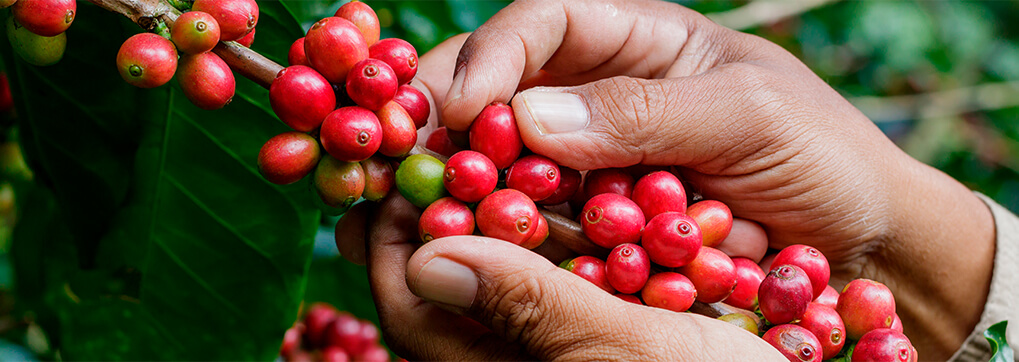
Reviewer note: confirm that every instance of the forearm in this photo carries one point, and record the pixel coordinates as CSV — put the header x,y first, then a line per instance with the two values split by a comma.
x,y
937,259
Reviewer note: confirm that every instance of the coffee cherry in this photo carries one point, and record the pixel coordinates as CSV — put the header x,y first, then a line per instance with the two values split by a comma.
x,y
379,178
333,45
35,49
827,326
345,332
297,56
494,133
714,218
784,294
569,184
45,17
672,239
829,297
534,175
608,180
362,16
896,324
438,141
630,298
318,317
748,281
628,268
884,345
508,215
741,320
811,261
713,273
470,176
419,179
334,354
659,192
147,60
415,103
371,83
247,40
611,219
591,269
236,18
288,157
339,183
398,133
351,134
399,54
795,342
373,353
865,305
291,340
195,32
445,217
206,80
540,233
6,3
301,98
668,290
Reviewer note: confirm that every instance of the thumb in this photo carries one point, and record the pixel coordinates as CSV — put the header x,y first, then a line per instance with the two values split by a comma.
x,y
518,295
623,121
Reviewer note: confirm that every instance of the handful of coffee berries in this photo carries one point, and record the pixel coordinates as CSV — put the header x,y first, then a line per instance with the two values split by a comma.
x,y
329,335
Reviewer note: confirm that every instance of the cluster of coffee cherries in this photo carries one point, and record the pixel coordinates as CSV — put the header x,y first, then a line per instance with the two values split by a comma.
x,y
345,92
150,60
329,335
663,253
671,261
36,28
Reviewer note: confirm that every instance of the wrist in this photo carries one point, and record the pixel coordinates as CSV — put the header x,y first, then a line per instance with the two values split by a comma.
x,y
937,257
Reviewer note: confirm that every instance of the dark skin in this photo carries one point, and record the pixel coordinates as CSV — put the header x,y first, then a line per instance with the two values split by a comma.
x,y
743,120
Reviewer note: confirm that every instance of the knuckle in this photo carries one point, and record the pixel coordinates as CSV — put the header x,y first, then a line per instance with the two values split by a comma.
x,y
631,110
514,308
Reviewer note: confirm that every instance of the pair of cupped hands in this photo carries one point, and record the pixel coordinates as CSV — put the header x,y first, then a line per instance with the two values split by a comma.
x,y
615,83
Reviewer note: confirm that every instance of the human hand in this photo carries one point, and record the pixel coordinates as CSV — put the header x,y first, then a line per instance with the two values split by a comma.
x,y
750,125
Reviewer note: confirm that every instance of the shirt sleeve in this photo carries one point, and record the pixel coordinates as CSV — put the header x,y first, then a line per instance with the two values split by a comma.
x,y
1003,298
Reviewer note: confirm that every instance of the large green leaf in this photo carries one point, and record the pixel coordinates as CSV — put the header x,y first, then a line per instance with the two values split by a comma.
x,y
184,252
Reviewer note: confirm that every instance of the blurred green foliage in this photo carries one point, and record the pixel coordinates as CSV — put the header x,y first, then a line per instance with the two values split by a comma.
x,y
144,232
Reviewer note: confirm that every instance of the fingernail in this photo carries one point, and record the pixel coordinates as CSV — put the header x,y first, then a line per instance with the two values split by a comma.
x,y
556,112
446,281
455,88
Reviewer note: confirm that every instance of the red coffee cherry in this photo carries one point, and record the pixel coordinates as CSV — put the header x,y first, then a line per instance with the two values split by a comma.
x,y
398,133
236,18
470,176
351,134
206,80
591,269
362,16
288,157
508,215
494,133
371,84
659,192
445,217
195,32
297,56
611,219
399,54
534,175
669,290
796,343
333,45
45,17
415,103
147,60
301,98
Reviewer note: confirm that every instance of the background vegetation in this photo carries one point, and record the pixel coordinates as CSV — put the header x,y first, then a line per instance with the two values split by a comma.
x,y
137,227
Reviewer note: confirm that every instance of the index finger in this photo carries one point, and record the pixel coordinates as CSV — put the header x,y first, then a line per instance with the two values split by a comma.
x,y
570,42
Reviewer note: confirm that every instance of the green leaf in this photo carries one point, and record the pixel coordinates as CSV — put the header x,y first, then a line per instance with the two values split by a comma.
x,y
181,250
1000,350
